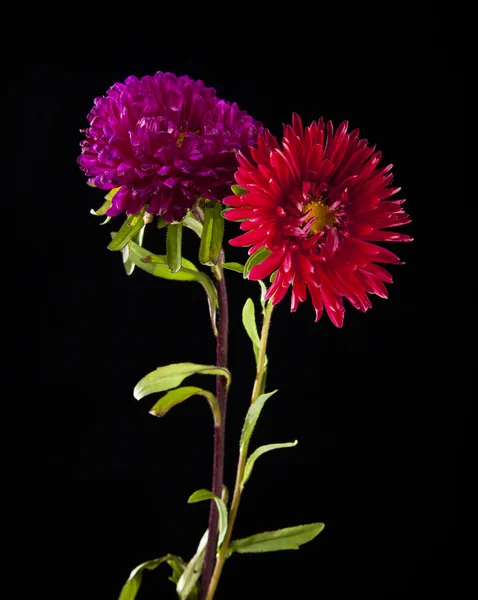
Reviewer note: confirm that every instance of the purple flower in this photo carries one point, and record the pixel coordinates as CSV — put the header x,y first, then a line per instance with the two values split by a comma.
x,y
166,141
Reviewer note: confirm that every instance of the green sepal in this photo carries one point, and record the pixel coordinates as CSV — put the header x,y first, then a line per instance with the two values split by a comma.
x,y
106,204
137,239
174,242
212,233
127,231
238,190
255,259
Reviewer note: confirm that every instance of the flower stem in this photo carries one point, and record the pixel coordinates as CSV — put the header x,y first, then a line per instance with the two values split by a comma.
x,y
258,387
219,432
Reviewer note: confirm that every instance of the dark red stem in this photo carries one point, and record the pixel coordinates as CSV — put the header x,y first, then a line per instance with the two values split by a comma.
x,y
219,434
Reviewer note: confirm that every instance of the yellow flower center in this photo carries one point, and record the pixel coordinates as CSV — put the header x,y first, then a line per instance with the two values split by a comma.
x,y
180,140
322,214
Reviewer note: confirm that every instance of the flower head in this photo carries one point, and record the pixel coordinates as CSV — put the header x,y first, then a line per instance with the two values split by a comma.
x,y
165,140
317,203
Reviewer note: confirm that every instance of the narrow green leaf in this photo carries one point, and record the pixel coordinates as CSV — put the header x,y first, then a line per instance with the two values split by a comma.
x,y
263,296
102,209
249,322
138,239
179,395
192,223
238,190
158,266
188,580
127,231
212,233
252,416
174,242
290,538
234,266
131,587
259,452
255,259
201,495
166,378
106,204
273,275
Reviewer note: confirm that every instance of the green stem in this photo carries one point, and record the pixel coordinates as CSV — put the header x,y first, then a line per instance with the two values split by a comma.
x,y
256,392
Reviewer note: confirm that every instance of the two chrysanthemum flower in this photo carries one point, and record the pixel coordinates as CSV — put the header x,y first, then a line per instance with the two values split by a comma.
x,y
317,203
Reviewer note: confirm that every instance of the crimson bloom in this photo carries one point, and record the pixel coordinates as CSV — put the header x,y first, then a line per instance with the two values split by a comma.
x,y
317,202
166,141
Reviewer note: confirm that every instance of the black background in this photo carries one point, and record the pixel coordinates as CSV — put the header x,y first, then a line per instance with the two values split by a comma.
x,y
99,484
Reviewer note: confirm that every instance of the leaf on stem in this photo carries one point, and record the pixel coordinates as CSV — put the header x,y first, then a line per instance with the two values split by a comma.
x,y
192,572
201,495
179,395
212,233
132,585
192,223
171,376
259,452
158,266
251,418
249,322
174,242
255,259
234,266
290,538
127,231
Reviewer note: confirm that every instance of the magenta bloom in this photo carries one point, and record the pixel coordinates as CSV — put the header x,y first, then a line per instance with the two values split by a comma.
x,y
318,203
166,140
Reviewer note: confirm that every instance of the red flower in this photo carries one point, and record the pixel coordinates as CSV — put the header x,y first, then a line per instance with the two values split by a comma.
x,y
317,203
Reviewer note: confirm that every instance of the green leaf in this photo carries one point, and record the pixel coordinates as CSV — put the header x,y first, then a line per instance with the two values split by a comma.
x,y
127,231
188,580
259,452
192,223
249,322
255,259
174,241
212,233
238,190
158,266
131,587
129,264
251,418
234,266
201,495
273,275
181,394
166,378
106,204
290,538
263,296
